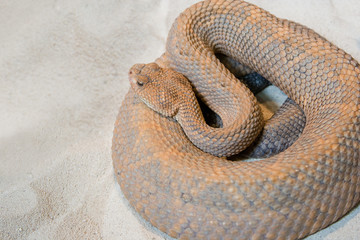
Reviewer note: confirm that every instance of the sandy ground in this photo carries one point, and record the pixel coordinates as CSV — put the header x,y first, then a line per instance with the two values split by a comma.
x,y
63,75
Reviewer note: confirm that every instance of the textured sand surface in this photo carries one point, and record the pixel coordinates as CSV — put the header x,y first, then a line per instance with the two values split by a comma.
x,y
63,75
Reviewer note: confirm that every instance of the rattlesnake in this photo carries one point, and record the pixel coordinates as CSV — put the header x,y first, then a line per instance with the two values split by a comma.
x,y
191,194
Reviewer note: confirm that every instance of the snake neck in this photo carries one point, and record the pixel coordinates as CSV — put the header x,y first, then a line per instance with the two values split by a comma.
x,y
219,141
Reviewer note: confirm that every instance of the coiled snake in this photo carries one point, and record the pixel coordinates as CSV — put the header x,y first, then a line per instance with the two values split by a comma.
x,y
191,194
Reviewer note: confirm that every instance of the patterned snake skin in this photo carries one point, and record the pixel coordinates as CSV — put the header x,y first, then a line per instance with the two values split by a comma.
x,y
190,194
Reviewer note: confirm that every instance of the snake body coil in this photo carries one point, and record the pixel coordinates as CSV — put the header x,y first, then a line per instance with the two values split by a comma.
x,y
190,194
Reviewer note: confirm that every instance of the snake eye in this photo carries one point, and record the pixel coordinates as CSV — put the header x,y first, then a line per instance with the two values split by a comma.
x,y
139,83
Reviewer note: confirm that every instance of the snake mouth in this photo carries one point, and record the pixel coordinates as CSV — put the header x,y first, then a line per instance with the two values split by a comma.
x,y
132,79
132,75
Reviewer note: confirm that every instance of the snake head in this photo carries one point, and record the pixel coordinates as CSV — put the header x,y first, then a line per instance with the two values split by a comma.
x,y
159,88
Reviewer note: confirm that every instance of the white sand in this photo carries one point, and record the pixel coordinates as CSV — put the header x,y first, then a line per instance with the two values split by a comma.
x,y
63,75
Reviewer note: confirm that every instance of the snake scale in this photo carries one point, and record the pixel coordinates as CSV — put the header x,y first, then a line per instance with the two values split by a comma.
x,y
191,194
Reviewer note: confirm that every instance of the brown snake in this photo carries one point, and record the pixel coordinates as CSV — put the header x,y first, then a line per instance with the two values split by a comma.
x,y
191,194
